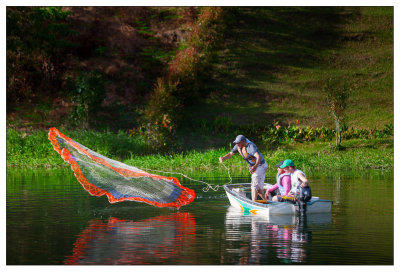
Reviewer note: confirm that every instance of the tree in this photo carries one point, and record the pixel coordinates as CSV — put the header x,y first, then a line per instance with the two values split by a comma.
x,y
38,39
337,94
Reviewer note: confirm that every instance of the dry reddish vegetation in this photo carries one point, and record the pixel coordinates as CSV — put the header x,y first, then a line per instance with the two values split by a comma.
x,y
129,46
123,33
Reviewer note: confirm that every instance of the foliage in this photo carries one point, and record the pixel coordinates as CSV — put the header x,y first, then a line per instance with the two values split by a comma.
x,y
281,67
87,92
155,55
162,108
196,52
40,28
37,38
182,82
29,149
276,134
35,150
351,133
337,94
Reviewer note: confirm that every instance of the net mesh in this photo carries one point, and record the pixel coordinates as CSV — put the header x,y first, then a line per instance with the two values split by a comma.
x,y
100,176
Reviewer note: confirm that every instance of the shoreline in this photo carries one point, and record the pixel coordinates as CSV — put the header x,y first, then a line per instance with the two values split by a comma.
x,y
359,155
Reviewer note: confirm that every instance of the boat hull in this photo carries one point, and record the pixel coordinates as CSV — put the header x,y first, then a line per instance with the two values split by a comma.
x,y
237,197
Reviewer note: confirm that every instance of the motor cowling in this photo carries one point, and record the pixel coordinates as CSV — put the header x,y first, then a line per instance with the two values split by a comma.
x,y
303,195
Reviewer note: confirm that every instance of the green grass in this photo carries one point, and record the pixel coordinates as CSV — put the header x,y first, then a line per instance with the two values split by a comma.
x,y
317,156
35,150
277,59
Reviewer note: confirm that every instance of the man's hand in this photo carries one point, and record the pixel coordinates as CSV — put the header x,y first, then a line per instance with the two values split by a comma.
x,y
225,157
304,181
304,184
253,169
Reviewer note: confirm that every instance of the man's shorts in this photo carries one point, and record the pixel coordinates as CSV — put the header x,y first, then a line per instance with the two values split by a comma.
x,y
258,177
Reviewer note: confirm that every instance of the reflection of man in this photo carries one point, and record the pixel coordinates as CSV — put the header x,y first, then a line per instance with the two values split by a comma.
x,y
257,165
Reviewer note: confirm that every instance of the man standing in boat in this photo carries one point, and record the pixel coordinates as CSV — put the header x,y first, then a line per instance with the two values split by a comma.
x,y
257,165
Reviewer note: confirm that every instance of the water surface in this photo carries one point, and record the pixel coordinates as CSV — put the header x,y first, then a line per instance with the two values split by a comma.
x,y
52,220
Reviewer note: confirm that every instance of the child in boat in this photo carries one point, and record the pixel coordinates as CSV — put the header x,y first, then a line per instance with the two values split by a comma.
x,y
297,177
282,186
300,186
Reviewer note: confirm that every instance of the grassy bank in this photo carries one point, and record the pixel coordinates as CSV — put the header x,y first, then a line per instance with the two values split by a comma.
x,y
34,150
359,155
277,60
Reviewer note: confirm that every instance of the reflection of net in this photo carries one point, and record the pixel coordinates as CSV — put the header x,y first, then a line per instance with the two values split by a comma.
x,y
157,240
100,175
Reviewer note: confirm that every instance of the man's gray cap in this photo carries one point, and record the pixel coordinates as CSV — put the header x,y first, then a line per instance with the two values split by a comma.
x,y
239,138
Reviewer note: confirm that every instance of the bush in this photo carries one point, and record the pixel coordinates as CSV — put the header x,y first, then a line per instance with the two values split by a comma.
x,y
185,73
87,92
276,134
336,97
161,115
37,38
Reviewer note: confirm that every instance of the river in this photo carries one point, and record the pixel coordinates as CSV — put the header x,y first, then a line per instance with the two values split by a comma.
x,y
52,220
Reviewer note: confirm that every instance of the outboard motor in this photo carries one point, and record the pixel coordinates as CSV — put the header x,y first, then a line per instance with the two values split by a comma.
x,y
272,194
303,195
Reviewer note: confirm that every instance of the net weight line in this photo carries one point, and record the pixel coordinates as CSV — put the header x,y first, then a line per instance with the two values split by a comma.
x,y
206,188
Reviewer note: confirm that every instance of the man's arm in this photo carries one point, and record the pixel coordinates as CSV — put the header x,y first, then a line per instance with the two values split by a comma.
x,y
273,188
254,167
225,157
303,179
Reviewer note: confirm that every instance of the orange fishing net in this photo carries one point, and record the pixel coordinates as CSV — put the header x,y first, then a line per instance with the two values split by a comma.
x,y
100,176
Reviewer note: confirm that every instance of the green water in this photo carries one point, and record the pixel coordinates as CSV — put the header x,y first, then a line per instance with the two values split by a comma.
x,y
52,220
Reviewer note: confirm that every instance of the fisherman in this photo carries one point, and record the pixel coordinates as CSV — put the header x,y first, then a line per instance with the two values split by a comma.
x,y
300,187
257,165
282,187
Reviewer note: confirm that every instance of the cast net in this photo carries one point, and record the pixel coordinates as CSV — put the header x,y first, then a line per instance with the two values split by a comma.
x,y
100,176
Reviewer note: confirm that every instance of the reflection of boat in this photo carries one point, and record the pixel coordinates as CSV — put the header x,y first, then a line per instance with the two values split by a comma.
x,y
257,239
151,241
238,195
237,217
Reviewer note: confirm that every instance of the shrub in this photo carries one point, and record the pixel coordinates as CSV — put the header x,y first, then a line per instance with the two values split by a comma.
x,y
37,38
181,84
276,134
87,92
336,96
158,116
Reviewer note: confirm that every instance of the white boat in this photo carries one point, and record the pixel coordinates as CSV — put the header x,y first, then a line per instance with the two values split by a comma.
x,y
238,195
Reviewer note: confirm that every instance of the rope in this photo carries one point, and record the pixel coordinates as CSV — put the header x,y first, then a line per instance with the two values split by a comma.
x,y
229,174
206,188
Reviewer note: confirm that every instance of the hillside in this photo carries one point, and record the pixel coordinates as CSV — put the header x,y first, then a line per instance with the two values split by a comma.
x,y
271,66
277,59
116,52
